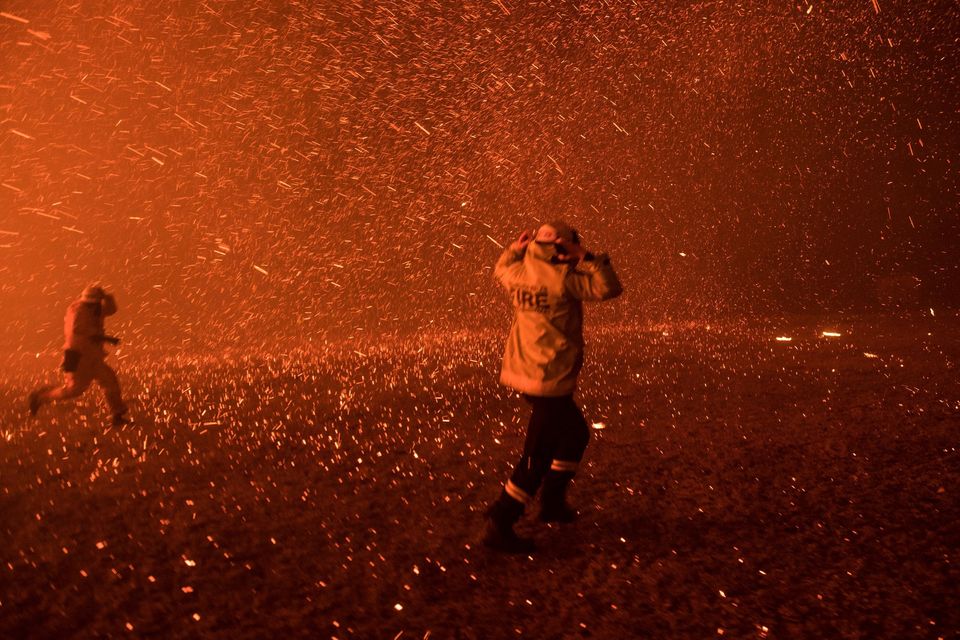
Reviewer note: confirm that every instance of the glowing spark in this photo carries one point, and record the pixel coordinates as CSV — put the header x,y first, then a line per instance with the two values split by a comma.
x,y
599,425
495,242
10,16
555,164
784,339
831,334
189,124
260,269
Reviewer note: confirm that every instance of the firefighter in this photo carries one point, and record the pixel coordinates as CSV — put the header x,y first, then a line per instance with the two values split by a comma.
x,y
84,355
548,275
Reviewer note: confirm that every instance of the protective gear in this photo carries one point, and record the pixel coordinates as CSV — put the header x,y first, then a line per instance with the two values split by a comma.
x,y
89,369
542,358
499,534
34,401
93,293
83,323
71,358
553,497
544,351
557,436
558,230
84,354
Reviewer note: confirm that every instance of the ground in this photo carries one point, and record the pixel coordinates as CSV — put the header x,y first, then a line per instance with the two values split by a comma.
x,y
736,486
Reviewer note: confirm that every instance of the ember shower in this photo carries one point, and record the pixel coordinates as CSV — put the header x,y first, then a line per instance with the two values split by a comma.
x,y
243,169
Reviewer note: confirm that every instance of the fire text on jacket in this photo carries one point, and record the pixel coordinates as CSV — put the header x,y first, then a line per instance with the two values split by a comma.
x,y
530,298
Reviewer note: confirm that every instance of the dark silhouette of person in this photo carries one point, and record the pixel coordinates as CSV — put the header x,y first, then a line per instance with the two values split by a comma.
x,y
84,359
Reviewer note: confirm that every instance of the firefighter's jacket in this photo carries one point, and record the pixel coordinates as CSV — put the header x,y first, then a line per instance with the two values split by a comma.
x,y
544,351
83,325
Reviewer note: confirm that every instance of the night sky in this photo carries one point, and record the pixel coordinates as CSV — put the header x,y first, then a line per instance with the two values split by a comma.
x,y
242,173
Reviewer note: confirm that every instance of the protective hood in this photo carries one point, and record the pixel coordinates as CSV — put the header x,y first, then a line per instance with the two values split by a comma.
x,y
556,230
93,294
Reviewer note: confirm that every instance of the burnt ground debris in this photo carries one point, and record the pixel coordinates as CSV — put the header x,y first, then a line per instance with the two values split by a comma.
x,y
740,486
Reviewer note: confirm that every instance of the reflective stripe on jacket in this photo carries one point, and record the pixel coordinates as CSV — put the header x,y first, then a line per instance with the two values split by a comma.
x,y
544,351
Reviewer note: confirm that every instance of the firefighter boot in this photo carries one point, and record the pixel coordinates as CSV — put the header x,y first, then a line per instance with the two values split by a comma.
x,y
553,498
34,402
499,534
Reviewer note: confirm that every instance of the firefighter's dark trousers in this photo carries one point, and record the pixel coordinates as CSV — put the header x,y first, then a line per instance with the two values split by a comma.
x,y
557,436
91,367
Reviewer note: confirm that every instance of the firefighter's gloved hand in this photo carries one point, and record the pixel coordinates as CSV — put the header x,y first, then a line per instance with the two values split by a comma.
x,y
71,360
569,251
520,244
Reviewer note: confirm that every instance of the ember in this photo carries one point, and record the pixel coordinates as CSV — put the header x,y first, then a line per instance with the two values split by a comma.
x,y
298,207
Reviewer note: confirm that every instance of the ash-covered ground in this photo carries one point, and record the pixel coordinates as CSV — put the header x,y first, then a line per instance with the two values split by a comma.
x,y
736,486
281,193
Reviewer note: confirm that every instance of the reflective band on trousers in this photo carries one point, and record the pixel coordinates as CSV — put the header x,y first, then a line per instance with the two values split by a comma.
x,y
564,465
517,493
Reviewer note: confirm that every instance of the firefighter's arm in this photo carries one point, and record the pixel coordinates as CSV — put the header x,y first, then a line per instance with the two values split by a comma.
x,y
79,327
509,262
594,279
108,305
507,266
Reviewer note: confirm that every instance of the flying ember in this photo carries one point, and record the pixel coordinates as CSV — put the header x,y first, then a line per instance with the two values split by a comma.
x,y
479,319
